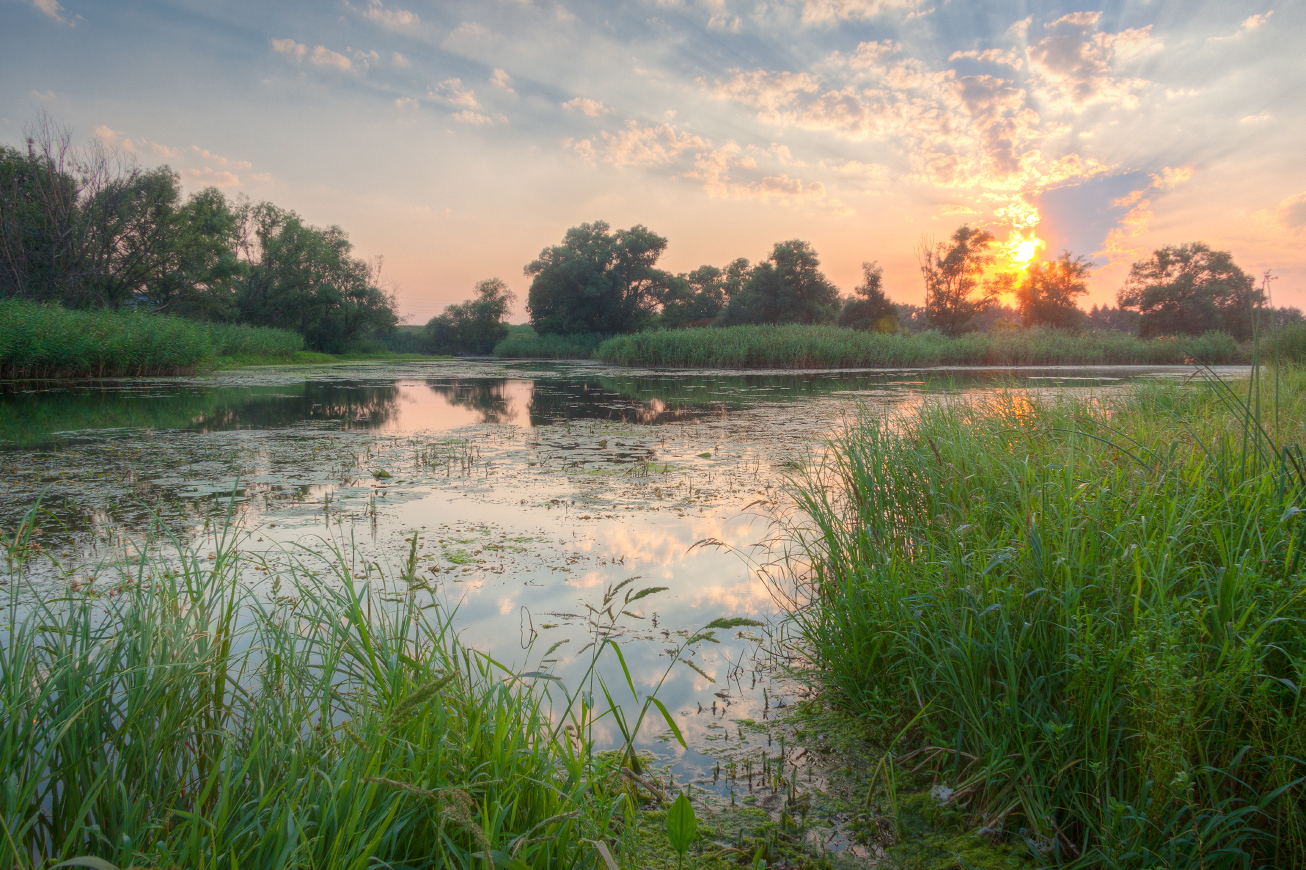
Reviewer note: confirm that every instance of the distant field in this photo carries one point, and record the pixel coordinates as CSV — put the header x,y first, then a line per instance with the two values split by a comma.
x,y
803,346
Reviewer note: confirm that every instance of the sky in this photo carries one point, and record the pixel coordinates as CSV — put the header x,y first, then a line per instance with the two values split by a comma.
x,y
459,139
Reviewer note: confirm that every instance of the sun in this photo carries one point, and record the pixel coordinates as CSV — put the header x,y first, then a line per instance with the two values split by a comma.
x,y
1024,250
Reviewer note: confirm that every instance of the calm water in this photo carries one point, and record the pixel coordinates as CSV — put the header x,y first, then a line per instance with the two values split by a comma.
x,y
532,488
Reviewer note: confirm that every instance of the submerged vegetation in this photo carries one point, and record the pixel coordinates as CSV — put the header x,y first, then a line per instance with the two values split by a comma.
x,y
1086,620
802,346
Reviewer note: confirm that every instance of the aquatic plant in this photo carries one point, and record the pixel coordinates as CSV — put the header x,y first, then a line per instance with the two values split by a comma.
x,y
46,341
1094,610
177,720
803,346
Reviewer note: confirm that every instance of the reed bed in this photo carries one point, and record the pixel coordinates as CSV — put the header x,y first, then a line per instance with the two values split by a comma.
x,y
804,346
175,719
46,341
1086,618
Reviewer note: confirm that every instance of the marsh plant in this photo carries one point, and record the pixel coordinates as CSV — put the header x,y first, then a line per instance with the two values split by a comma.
x,y
176,718
823,346
1086,617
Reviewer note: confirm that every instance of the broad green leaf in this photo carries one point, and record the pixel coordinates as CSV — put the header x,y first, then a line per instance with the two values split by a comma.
x,y
682,825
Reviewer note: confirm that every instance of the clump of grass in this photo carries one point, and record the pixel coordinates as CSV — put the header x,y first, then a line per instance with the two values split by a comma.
x,y
806,346
46,341
577,346
180,721
239,340
1089,617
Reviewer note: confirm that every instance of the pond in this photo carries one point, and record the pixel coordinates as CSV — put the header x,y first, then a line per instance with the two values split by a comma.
x,y
531,489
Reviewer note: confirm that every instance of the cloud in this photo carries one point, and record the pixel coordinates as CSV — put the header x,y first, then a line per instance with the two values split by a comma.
x,y
297,50
1119,247
55,11
139,147
1256,119
323,56
406,103
586,106
212,177
395,19
714,167
1292,212
834,11
1249,24
217,159
467,116
723,22
500,79
451,92
990,55
769,92
651,145
1075,62
399,60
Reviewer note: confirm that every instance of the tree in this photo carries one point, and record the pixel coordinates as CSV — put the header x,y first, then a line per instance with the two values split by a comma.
x,y
1046,295
787,287
300,277
694,299
1190,289
597,281
953,275
870,309
474,326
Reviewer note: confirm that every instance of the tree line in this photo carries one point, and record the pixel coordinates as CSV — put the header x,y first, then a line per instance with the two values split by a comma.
x,y
605,281
87,228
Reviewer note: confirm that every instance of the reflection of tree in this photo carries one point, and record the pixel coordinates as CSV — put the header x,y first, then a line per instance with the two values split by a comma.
x,y
30,417
486,396
355,406
553,401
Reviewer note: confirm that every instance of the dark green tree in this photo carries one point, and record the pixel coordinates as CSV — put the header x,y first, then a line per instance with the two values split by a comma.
x,y
787,287
1190,289
300,277
954,273
695,299
1046,295
597,281
474,326
869,308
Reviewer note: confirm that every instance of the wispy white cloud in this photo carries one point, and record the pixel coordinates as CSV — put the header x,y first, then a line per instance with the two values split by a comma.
x,y
321,55
586,106
391,17
52,9
833,11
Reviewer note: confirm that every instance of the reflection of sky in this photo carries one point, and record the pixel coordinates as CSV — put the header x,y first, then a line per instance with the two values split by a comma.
x,y
558,518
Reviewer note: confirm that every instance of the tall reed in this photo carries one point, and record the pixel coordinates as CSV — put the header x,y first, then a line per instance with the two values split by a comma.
x,y
179,720
804,346
1095,611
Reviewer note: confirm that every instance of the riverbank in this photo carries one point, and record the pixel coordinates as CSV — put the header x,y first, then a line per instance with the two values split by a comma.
x,y
1082,619
806,346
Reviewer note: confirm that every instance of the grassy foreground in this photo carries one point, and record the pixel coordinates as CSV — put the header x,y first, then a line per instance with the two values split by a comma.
x,y
1087,619
803,346
46,341
176,720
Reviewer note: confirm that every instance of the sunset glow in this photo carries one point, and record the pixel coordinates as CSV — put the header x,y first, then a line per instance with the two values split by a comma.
x,y
458,139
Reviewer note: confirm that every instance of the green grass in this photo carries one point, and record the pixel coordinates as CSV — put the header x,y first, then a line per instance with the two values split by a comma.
x,y
520,345
171,718
46,341
1088,618
802,346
